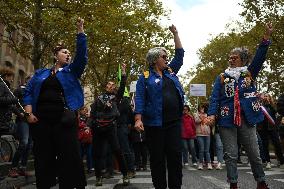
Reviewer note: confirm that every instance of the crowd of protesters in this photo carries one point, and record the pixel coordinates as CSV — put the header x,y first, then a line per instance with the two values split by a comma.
x,y
118,135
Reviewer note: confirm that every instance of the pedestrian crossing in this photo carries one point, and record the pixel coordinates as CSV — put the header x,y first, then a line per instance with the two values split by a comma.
x,y
216,178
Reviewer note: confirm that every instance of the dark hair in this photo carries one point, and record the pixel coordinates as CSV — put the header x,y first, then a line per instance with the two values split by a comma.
x,y
187,106
57,48
6,72
205,106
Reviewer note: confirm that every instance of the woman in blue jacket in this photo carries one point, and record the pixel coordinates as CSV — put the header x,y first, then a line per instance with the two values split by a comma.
x,y
51,98
236,107
158,107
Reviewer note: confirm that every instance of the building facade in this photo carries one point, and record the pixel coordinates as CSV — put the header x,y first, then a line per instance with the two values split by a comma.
x,y
9,58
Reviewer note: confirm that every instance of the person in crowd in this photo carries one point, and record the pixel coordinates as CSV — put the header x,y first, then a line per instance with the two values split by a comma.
x,y
104,113
51,99
219,147
280,111
203,137
24,137
7,104
85,138
268,129
188,136
234,101
139,146
123,122
158,109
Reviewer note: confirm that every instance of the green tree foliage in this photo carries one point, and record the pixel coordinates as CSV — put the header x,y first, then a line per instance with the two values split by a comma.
x,y
119,31
213,57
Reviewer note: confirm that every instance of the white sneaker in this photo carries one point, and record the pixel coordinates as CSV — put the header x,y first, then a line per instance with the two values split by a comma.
x,y
219,166
200,166
268,165
209,166
186,164
194,164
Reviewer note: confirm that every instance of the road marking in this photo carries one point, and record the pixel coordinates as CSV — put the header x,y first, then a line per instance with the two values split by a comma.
x,y
280,180
272,172
217,182
144,173
104,186
244,168
191,169
139,181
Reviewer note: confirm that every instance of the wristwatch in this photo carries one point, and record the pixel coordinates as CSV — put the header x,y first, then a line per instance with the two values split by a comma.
x,y
27,114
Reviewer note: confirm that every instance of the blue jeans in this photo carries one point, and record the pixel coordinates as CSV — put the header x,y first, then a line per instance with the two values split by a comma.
x,y
25,144
88,150
122,133
188,145
247,137
204,146
219,148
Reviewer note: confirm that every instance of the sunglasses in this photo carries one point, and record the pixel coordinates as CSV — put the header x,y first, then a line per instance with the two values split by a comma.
x,y
165,57
233,58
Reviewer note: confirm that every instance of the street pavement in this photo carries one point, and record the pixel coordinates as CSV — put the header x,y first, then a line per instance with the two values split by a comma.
x,y
194,179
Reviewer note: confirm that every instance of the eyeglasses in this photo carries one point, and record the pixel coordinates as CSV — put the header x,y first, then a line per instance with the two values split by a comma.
x,y
233,58
165,57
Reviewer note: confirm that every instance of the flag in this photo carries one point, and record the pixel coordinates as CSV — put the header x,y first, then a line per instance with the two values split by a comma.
x,y
119,74
267,115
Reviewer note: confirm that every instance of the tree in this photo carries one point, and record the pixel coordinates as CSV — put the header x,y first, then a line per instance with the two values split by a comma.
x,y
119,31
213,57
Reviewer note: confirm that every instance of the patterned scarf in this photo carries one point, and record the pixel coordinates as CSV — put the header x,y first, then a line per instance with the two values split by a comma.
x,y
236,73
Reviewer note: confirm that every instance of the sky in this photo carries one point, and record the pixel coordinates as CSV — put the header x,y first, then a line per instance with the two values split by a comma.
x,y
197,21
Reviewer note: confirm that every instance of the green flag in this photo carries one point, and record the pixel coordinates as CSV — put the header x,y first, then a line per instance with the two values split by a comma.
x,y
126,93
119,74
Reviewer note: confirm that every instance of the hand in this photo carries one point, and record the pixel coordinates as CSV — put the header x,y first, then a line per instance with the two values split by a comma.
x,y
210,120
32,118
80,23
139,125
268,31
123,69
173,29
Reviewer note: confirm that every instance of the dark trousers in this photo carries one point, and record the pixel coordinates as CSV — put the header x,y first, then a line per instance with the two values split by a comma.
x,y
103,137
140,151
122,133
56,151
165,148
274,136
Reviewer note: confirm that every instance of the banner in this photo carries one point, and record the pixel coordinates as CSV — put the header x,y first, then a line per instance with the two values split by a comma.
x,y
197,90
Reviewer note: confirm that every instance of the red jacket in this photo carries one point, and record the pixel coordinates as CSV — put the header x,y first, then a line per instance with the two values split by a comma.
x,y
188,127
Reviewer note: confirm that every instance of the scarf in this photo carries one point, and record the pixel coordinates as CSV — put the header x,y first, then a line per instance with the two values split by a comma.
x,y
236,73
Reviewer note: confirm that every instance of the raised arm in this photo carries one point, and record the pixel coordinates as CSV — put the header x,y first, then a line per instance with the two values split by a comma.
x,y
261,52
81,57
121,88
177,61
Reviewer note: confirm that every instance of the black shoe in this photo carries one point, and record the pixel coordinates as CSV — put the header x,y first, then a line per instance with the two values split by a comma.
x,y
99,181
131,174
125,181
2,177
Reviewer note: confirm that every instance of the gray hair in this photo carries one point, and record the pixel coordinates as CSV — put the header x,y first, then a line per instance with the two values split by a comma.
x,y
244,54
153,54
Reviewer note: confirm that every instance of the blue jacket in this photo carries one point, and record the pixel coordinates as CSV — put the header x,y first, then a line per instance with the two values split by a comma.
x,y
222,97
149,98
68,77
